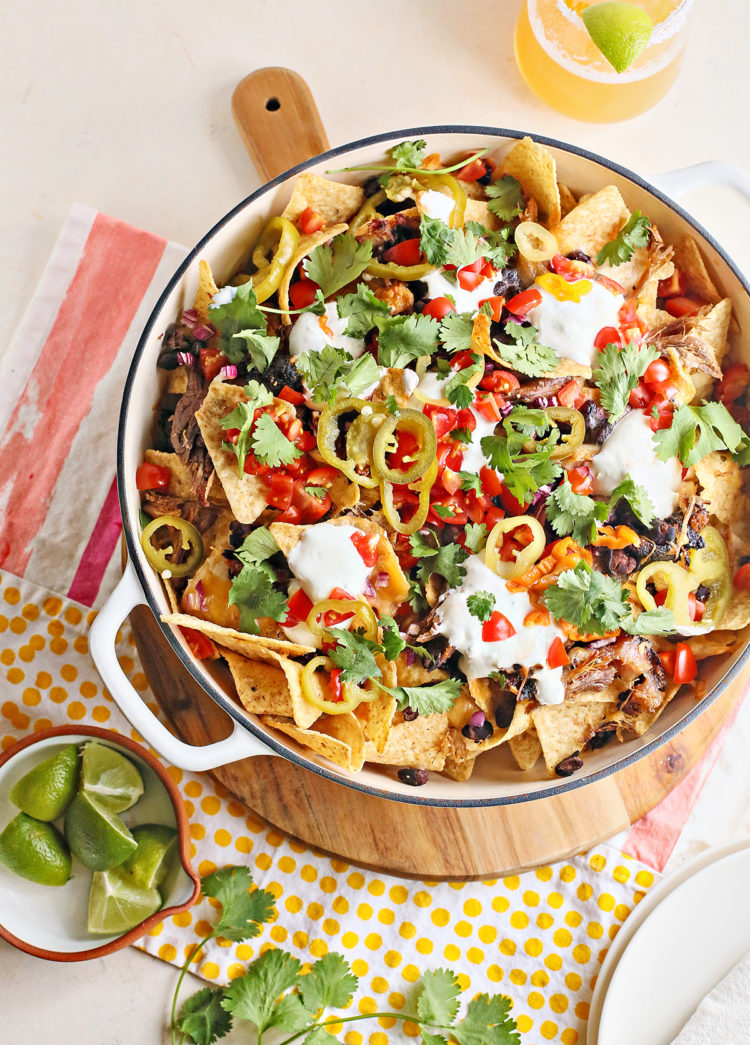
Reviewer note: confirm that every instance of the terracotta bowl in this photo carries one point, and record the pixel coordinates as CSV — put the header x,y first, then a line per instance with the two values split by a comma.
x,y
50,922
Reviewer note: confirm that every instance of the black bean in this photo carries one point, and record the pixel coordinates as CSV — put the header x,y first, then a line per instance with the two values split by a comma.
x,y
371,186
578,255
409,714
413,777
508,284
477,733
569,765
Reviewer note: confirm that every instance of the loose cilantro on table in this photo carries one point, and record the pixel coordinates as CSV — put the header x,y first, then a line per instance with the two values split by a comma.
x,y
327,371
697,431
574,514
363,310
403,339
637,497
481,604
456,330
618,372
595,603
524,353
270,445
277,991
443,559
635,233
506,197
243,330
333,265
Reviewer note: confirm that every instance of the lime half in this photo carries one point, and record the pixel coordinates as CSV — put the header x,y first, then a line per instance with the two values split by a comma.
x,y
96,836
46,790
621,31
110,778
35,850
116,903
152,861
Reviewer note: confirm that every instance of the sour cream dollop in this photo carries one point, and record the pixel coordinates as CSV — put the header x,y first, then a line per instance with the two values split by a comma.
x,y
312,333
569,327
438,286
630,449
325,558
529,646
474,458
436,205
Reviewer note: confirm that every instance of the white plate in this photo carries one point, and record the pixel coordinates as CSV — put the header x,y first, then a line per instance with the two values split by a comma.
x,y
682,939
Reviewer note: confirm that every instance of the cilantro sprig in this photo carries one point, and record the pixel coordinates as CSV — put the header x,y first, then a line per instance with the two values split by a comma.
x,y
577,515
481,604
407,158
327,371
403,339
278,992
270,445
243,418
635,233
332,265
506,197
618,372
524,471
697,431
242,329
595,604
252,590
443,559
524,353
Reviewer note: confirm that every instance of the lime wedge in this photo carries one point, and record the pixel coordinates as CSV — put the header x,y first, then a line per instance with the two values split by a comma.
x,y
110,778
47,789
116,903
35,850
96,836
152,861
621,31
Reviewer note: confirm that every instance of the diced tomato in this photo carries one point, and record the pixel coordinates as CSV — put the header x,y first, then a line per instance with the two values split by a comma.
x,y
461,360
571,395
199,644
438,308
367,546
305,508
607,336
741,578
581,480
334,684
696,608
487,406
322,475
449,455
443,419
569,269
673,287
497,628
685,667
499,381
472,171
640,396
667,660
339,593
212,360
302,293
298,608
683,306
557,655
632,326
309,221
496,304
152,477
255,467
408,252
465,418
493,516
657,372
492,484
280,490
468,279
510,504
734,383
477,506
305,441
450,480
455,503
522,303
660,597
663,419
290,395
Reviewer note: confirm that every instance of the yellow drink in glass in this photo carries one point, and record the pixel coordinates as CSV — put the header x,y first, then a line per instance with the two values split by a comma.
x,y
564,67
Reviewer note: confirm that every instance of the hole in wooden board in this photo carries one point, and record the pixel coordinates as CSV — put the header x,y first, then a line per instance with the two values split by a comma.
x,y
273,104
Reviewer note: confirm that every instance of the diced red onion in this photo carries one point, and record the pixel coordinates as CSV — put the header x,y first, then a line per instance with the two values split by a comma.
x,y
477,719
185,358
411,656
381,579
190,317
368,590
542,494
204,331
228,371
195,599
505,410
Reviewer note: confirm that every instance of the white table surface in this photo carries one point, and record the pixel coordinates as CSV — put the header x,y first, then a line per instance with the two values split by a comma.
x,y
125,107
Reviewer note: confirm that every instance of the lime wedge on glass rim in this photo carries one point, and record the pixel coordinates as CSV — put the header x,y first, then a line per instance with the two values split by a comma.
x,y
117,904
110,778
152,861
46,790
620,30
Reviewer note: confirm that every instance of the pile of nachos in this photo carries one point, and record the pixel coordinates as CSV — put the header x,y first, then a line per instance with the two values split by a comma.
x,y
453,466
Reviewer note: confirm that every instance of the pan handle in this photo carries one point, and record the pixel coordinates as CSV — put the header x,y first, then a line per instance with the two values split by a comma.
x,y
102,637
699,175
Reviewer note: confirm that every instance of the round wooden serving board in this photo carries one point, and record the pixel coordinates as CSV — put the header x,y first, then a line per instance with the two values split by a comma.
x,y
280,125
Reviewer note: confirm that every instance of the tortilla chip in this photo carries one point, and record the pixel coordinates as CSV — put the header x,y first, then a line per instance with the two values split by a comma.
x,y
334,201
174,602
479,211
569,368
376,719
526,749
344,495
388,597
713,329
337,737
213,577
721,479
421,744
416,674
305,245
263,688
520,722
480,336
458,768
567,199
737,614
239,641
535,168
713,644
593,222
563,729
179,476
689,260
246,495
206,290
630,273
680,377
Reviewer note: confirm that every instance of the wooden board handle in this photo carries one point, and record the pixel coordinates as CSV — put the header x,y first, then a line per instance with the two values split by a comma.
x,y
278,120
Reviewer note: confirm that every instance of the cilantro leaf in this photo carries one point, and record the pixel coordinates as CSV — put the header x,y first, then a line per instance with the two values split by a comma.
x,y
637,497
506,197
531,422
241,909
409,154
258,395
261,348
325,372
333,265
481,604
434,239
253,594
524,354
457,391
574,514
496,247
270,445
354,654
650,622
697,431
254,995
393,644
470,481
443,511
242,316
456,330
476,536
316,491
618,373
405,338
437,1004
391,405
330,982
363,310
444,560
635,233
203,1018
257,547
428,700
243,418
487,1022
595,604
464,248
523,473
